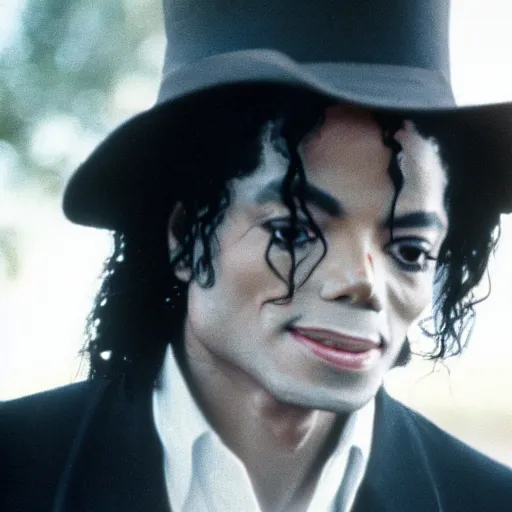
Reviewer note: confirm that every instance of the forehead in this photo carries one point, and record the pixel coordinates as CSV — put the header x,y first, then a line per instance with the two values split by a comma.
x,y
346,156
423,170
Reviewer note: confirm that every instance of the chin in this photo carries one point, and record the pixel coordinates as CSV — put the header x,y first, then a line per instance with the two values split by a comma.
x,y
347,404
340,400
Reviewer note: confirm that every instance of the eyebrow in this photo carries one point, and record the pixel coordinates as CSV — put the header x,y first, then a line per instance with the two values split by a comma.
x,y
418,219
324,201
312,194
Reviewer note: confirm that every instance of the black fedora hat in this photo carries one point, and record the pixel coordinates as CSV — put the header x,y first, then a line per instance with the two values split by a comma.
x,y
381,54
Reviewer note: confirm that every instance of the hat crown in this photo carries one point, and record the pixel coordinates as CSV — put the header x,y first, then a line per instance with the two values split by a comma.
x,y
412,33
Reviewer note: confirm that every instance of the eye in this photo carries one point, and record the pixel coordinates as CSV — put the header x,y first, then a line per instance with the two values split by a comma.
x,y
411,254
287,235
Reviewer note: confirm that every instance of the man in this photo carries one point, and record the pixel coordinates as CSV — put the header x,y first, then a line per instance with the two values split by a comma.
x,y
278,228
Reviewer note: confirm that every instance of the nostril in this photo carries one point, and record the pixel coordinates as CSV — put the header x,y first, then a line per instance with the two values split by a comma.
x,y
361,300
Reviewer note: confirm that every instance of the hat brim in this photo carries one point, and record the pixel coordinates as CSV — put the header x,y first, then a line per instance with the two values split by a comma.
x,y
113,187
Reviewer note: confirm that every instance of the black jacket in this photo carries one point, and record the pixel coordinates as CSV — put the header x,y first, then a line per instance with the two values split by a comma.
x,y
85,447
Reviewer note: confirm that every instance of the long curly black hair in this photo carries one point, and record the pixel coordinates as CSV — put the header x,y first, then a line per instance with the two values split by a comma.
x,y
141,304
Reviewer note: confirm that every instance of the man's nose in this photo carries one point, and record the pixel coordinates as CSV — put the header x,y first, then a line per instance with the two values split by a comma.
x,y
351,276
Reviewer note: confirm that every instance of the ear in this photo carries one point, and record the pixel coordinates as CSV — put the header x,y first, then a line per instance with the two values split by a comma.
x,y
183,272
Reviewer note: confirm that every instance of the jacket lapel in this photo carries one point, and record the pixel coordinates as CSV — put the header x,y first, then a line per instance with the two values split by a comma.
x,y
119,465
398,475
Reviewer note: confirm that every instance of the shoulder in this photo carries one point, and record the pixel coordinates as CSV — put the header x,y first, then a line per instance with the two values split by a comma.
x,y
36,434
47,410
463,474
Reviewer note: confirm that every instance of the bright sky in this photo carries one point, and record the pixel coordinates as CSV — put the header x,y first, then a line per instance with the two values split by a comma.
x,y
9,20
481,40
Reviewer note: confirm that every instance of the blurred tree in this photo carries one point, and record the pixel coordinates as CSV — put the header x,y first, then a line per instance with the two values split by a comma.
x,y
63,81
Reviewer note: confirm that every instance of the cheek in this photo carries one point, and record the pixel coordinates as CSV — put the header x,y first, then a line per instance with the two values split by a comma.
x,y
244,273
409,296
243,281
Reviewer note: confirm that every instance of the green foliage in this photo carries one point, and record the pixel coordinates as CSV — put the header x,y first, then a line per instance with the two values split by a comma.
x,y
64,64
68,57
8,243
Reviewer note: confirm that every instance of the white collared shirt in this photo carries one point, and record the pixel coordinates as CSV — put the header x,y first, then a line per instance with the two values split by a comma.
x,y
203,475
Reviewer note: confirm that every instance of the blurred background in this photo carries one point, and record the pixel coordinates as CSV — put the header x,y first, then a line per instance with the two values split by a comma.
x,y
70,71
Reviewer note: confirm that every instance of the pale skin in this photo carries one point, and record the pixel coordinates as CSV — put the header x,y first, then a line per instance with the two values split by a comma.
x,y
275,404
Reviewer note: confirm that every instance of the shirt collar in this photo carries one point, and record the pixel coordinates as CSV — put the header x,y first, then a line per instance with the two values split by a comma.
x,y
180,424
358,431
343,472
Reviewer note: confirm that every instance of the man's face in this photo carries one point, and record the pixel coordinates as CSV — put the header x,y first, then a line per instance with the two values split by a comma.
x,y
331,345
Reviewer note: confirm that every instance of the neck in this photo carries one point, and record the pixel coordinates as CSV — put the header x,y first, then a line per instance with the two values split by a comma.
x,y
282,446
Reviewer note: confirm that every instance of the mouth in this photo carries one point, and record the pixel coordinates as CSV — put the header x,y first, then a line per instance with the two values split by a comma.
x,y
344,352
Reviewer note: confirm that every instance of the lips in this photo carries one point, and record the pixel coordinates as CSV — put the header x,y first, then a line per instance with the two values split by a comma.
x,y
340,351
338,340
